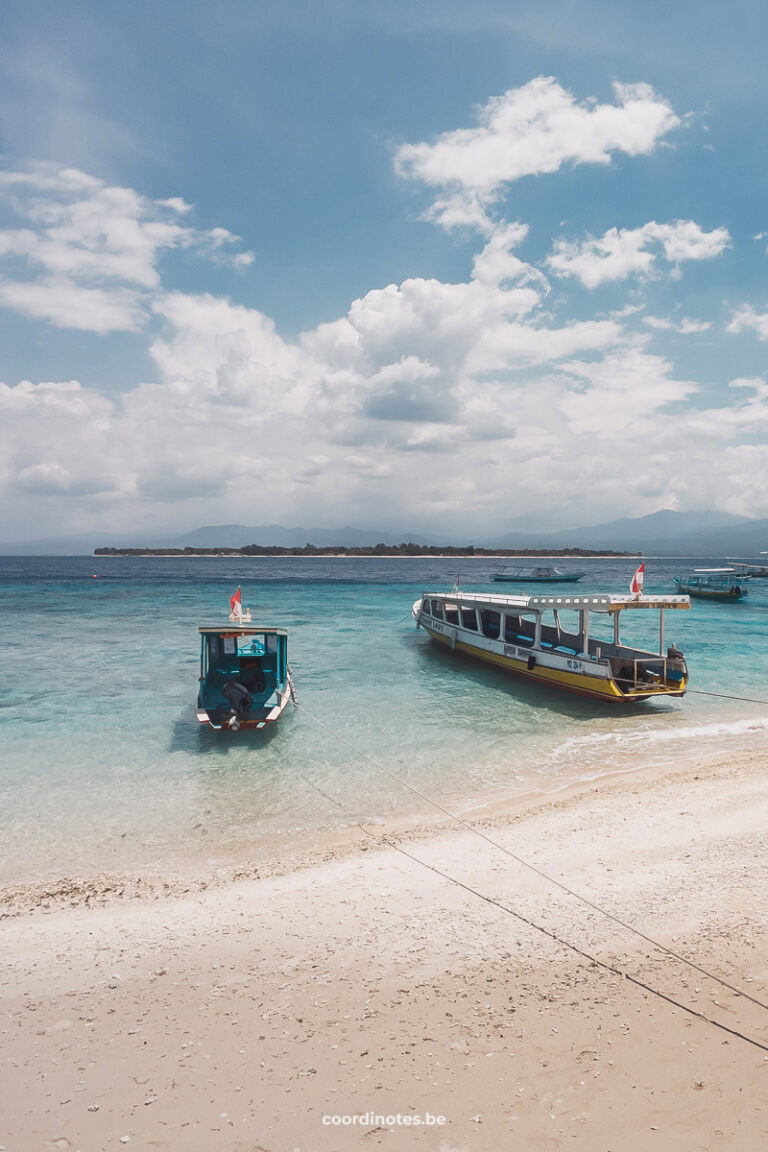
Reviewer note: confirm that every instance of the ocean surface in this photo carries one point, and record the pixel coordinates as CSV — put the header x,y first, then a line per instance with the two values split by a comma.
x,y
103,766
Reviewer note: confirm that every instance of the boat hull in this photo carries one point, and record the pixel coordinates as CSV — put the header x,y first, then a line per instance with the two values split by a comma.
x,y
270,717
538,579
710,593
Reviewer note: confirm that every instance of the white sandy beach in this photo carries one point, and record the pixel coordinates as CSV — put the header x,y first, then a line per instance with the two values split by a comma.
x,y
248,1016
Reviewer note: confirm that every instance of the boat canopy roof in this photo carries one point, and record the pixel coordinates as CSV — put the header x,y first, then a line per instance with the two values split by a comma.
x,y
548,603
715,571
242,630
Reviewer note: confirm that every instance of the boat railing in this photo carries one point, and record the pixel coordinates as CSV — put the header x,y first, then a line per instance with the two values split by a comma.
x,y
644,661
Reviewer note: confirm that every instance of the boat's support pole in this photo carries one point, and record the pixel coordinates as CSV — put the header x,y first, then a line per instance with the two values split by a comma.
x,y
584,614
661,631
616,629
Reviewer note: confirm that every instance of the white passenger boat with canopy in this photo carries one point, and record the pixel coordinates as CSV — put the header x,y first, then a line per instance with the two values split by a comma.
x,y
528,635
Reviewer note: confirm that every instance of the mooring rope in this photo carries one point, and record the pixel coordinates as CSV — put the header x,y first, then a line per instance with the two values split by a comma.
x,y
546,931
532,867
723,696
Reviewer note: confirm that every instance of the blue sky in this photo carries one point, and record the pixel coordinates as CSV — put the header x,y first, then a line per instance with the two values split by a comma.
x,y
197,326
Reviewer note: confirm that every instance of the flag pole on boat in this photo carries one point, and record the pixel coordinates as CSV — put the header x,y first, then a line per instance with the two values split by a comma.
x,y
236,614
636,587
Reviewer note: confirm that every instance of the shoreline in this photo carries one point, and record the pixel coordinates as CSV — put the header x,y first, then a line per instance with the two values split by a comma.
x,y
105,888
241,1017
368,556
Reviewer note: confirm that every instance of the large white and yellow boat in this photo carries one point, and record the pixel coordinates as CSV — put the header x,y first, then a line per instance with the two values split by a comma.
x,y
515,633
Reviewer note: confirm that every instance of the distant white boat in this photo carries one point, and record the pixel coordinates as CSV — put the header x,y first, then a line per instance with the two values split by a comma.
x,y
760,571
525,574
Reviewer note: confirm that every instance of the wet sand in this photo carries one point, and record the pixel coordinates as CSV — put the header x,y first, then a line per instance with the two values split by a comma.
x,y
250,1015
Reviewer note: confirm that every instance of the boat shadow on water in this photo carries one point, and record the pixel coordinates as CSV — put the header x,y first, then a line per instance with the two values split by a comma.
x,y
198,740
531,693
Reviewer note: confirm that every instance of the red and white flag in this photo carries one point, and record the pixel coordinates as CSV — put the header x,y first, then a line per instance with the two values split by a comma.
x,y
636,587
236,605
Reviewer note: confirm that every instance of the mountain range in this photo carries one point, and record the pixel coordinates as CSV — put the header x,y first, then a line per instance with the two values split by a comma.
x,y
699,533
666,532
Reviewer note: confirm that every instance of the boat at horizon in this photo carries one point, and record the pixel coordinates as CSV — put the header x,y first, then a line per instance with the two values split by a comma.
x,y
511,633
755,571
714,584
540,574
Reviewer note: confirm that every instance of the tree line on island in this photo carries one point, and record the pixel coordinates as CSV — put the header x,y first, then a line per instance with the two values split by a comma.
x,y
404,549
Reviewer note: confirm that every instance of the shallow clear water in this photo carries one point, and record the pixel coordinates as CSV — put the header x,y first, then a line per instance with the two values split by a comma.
x,y
105,767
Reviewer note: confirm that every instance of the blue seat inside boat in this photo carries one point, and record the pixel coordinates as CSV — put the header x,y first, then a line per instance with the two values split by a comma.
x,y
259,679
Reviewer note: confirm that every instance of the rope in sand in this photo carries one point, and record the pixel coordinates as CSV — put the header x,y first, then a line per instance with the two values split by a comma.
x,y
532,867
550,879
546,931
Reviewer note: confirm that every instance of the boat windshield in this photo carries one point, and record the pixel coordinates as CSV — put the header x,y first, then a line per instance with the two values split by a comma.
x,y
251,645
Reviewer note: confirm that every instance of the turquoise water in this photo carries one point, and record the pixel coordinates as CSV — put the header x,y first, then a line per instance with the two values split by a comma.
x,y
104,766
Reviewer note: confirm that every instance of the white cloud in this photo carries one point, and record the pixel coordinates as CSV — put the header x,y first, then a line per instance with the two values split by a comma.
x,y
623,252
685,326
59,446
473,378
496,264
745,412
527,131
746,318
65,304
433,404
176,204
625,391
91,250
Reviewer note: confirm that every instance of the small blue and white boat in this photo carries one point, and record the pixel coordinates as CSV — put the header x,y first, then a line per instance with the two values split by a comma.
x,y
714,584
541,574
245,678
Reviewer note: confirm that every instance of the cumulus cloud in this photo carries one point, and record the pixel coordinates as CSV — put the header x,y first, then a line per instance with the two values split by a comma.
x,y
623,252
684,326
748,318
436,404
496,264
471,376
745,414
58,443
87,256
527,131
474,378
66,304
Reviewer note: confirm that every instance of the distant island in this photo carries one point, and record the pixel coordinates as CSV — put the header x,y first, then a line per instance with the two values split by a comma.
x,y
404,549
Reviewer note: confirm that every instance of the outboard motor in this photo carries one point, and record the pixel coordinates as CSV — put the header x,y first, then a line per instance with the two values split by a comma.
x,y
675,664
241,702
